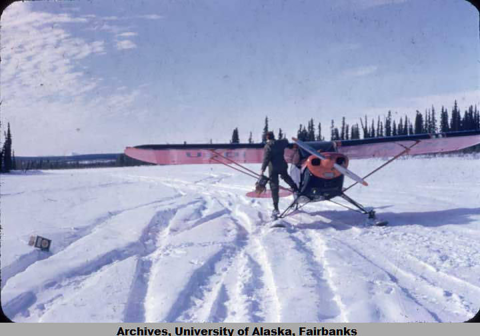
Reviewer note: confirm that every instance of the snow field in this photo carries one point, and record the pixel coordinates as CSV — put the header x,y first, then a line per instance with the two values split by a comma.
x,y
183,244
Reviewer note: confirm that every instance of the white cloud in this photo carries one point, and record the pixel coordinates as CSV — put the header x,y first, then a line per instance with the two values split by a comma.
x,y
375,3
360,71
127,34
41,55
117,101
365,4
45,82
150,17
125,44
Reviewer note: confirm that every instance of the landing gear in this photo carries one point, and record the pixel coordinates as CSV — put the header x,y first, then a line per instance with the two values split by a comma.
x,y
294,206
372,219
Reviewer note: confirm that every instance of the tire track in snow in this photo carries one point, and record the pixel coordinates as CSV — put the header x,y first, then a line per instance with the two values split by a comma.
x,y
350,242
261,285
50,190
135,311
301,261
392,276
262,289
440,286
247,301
306,263
205,282
23,301
152,239
204,297
218,303
200,289
314,249
31,258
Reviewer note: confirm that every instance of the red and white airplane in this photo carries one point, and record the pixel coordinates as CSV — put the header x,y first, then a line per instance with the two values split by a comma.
x,y
323,164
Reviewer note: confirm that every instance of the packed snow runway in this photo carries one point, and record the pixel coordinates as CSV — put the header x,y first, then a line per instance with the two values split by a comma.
x,y
183,244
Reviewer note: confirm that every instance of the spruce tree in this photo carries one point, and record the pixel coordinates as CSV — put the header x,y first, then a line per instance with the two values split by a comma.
x,y
311,130
7,150
343,130
419,123
388,124
235,137
265,131
406,126
444,126
469,119
250,138
337,134
426,122
476,117
353,132
280,134
394,129
455,118
319,134
379,128
1,152
299,132
433,121
332,131
400,129
372,132
365,128
304,134
464,122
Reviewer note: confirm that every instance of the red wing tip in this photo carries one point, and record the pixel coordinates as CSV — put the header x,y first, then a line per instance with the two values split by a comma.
x,y
365,184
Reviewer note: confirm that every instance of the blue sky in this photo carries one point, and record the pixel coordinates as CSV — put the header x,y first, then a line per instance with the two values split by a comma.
x,y
97,76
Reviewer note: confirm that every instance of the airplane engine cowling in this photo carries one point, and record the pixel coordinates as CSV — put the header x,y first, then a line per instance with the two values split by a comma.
x,y
324,168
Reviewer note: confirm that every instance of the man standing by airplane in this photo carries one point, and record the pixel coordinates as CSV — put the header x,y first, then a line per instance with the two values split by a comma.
x,y
273,157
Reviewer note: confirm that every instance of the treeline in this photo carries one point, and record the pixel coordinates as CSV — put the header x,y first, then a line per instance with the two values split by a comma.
x,y
7,155
77,162
428,122
236,138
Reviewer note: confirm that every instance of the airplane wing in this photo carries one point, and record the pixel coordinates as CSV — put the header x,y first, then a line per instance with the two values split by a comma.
x,y
196,153
354,149
422,144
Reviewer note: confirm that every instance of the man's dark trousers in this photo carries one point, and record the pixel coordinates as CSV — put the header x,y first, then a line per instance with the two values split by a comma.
x,y
275,183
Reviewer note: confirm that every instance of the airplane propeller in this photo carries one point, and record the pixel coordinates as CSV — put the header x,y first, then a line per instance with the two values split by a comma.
x,y
338,167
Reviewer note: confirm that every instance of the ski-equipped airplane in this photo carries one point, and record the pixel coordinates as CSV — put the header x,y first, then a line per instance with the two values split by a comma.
x,y
323,164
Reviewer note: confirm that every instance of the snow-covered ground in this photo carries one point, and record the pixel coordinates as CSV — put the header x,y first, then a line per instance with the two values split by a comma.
x,y
164,244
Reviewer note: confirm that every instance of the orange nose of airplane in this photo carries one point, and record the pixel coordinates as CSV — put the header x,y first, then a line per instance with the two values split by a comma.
x,y
324,168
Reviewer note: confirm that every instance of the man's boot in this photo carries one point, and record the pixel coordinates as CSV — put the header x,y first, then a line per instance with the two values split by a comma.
x,y
275,213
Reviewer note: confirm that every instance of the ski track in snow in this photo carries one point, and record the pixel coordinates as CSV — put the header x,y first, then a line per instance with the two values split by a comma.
x,y
195,249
